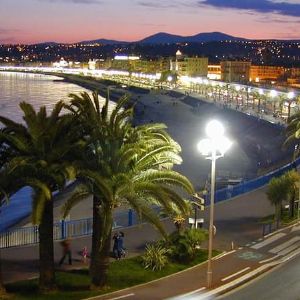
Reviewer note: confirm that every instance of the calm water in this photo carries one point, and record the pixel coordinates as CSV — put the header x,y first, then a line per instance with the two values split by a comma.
x,y
37,90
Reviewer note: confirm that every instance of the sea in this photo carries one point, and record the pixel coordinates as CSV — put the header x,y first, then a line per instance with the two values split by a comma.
x,y
38,90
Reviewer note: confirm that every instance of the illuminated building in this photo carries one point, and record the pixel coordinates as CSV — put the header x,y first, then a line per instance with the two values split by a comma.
x,y
189,66
214,72
265,73
235,71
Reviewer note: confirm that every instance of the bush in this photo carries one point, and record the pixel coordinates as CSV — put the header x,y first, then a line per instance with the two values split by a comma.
x,y
155,257
185,244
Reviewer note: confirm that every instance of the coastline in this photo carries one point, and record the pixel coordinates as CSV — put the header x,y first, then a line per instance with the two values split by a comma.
x,y
173,108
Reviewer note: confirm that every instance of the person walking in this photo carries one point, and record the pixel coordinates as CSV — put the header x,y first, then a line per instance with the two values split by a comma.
x,y
121,249
115,245
66,247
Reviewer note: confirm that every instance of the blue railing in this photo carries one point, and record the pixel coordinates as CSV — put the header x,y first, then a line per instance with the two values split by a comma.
x,y
251,185
65,229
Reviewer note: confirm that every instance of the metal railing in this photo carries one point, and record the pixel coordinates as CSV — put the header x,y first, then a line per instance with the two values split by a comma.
x,y
65,229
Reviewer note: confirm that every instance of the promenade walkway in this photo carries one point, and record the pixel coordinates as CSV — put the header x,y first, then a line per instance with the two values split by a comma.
x,y
236,221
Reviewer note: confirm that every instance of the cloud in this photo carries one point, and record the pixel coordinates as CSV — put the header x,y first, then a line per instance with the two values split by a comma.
x,y
160,4
73,1
260,6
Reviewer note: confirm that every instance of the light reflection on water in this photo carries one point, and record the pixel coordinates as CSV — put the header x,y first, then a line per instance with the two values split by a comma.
x,y
37,90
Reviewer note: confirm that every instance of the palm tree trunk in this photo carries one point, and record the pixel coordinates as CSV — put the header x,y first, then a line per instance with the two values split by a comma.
x,y
292,205
277,214
101,240
2,288
47,277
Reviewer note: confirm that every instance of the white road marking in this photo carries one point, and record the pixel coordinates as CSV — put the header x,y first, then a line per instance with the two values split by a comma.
x,y
291,255
289,249
268,259
269,240
195,291
235,274
121,297
224,254
285,245
183,296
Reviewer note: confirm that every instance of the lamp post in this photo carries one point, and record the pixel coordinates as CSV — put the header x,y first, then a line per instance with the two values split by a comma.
x,y
213,148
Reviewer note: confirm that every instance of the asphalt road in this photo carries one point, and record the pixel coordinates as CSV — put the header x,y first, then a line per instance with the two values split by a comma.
x,y
281,283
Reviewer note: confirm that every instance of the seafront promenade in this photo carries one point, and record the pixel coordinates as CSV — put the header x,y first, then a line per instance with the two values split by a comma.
x,y
237,220
245,253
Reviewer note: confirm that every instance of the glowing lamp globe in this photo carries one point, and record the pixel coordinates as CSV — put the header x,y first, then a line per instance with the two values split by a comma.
x,y
214,129
291,95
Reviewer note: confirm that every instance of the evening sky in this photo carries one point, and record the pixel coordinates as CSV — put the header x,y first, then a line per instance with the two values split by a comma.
x,y
32,21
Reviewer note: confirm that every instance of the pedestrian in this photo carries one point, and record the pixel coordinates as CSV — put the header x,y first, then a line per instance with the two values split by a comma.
x,y
121,249
84,253
115,245
66,247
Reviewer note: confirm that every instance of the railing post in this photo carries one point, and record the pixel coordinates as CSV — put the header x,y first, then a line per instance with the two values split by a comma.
x,y
62,229
7,239
130,217
36,234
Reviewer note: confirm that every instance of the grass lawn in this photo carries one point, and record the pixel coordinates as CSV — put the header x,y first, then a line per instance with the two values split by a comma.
x,y
75,284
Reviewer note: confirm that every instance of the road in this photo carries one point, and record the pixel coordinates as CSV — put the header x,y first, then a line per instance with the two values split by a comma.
x,y
280,283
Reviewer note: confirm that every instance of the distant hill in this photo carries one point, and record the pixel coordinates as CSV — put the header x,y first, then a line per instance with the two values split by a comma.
x,y
166,38
162,38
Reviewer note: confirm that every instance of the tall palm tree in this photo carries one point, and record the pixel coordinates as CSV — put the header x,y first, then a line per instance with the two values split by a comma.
x,y
36,155
122,164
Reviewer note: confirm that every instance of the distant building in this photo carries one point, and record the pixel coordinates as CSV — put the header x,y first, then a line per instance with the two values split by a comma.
x,y
214,72
266,73
235,71
295,73
150,66
189,66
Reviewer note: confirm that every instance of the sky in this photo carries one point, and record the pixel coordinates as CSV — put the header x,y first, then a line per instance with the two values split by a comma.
x,y
67,21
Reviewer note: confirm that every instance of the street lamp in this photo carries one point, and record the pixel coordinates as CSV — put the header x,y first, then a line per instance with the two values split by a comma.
x,y
213,148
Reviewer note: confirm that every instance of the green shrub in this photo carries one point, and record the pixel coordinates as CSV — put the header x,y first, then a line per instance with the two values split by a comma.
x,y
184,244
155,257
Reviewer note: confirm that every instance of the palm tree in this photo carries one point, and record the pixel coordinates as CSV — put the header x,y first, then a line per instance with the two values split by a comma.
x,y
36,153
277,192
122,164
293,178
293,133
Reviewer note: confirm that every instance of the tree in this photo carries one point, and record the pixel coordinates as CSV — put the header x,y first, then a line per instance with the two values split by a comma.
x,y
293,133
36,155
293,179
277,192
122,164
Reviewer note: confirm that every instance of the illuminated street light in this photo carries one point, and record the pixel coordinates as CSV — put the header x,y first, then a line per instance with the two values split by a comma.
x,y
291,95
273,93
213,148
